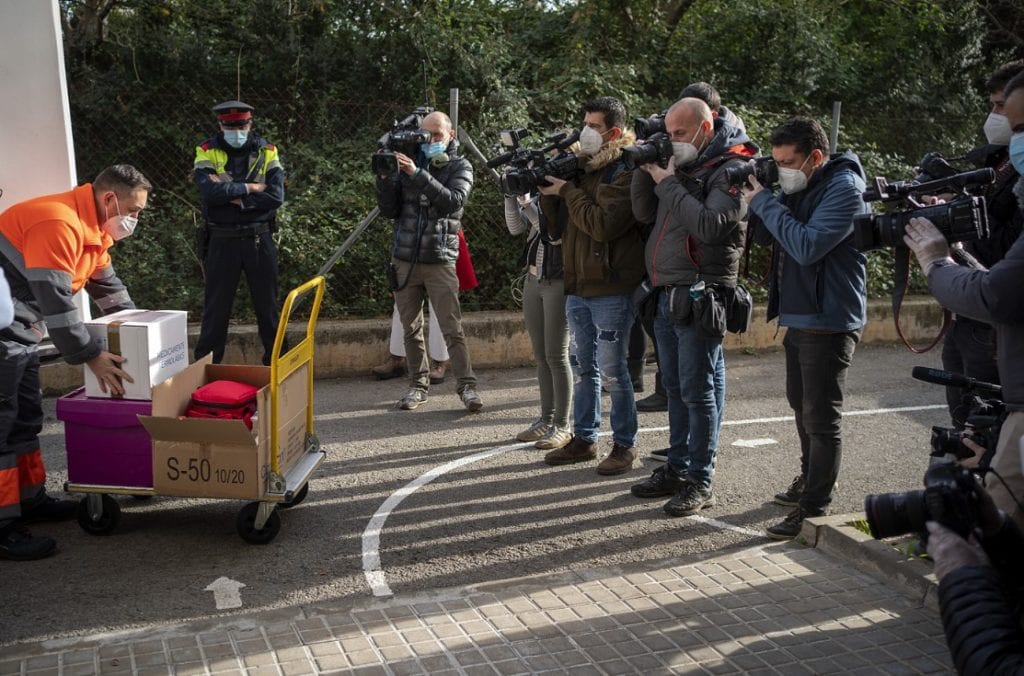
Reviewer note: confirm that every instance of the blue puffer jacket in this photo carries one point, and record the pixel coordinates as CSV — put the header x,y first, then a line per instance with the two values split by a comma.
x,y
823,276
427,208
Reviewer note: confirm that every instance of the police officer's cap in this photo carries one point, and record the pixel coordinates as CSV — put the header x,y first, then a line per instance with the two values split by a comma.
x,y
233,113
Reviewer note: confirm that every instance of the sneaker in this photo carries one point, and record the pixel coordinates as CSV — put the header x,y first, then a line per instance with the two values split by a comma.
x,y
393,367
652,403
577,450
18,544
535,432
471,399
690,499
619,461
413,398
663,481
50,509
660,455
789,527
791,496
556,437
437,374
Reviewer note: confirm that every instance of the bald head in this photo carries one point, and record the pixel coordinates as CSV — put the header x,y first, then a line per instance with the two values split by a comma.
x,y
439,125
689,120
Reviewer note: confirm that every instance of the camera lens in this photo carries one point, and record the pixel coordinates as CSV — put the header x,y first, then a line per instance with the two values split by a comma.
x,y
891,514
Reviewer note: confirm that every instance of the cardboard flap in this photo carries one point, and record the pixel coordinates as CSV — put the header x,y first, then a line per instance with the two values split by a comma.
x,y
171,396
198,430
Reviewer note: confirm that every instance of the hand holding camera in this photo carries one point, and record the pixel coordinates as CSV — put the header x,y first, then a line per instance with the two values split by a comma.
x,y
927,242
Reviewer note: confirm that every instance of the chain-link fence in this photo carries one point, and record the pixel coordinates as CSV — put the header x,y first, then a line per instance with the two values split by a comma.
x,y
325,147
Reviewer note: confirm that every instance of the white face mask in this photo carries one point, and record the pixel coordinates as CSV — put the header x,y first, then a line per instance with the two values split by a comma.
x,y
997,129
118,226
793,180
686,152
590,141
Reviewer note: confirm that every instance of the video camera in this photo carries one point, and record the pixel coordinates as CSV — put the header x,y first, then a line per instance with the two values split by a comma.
x,y
528,167
962,219
984,419
405,137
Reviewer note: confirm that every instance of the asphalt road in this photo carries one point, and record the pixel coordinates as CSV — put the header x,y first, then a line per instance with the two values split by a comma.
x,y
481,507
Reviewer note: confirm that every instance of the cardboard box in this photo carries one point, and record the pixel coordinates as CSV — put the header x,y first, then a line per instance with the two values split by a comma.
x,y
154,344
201,457
105,443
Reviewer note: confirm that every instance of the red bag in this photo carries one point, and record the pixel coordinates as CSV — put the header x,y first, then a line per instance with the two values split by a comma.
x,y
226,399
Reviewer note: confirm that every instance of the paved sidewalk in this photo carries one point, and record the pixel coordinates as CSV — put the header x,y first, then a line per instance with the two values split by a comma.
x,y
772,609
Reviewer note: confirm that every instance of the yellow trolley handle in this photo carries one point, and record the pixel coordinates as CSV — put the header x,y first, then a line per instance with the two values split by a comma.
x,y
300,354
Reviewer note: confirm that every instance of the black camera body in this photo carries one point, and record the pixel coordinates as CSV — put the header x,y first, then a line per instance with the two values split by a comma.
x,y
655,149
763,168
984,419
528,167
962,219
405,137
646,127
949,497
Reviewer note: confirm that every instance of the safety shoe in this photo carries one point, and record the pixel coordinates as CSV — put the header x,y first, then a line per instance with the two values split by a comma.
x,y
470,399
577,450
663,481
652,403
556,437
619,461
413,398
789,527
791,496
660,455
50,509
393,367
690,499
438,372
535,432
18,544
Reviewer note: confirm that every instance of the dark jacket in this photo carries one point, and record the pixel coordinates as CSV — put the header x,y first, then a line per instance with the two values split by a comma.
x,y
427,208
221,173
696,214
823,276
602,243
1005,218
540,250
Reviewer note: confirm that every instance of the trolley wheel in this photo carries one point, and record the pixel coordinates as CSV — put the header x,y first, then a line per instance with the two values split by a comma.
x,y
297,498
105,522
246,525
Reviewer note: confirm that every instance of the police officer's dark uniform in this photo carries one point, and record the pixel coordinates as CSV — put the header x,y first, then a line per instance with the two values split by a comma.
x,y
241,185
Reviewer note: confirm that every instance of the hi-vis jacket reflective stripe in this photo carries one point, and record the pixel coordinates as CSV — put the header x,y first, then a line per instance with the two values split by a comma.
x,y
222,173
50,248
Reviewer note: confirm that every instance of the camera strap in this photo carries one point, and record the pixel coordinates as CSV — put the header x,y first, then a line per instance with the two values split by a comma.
x,y
900,284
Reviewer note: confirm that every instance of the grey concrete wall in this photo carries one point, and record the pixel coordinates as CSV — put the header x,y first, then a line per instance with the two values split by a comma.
x,y
499,340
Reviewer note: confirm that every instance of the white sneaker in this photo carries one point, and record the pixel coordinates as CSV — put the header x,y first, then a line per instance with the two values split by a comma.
x,y
535,432
556,437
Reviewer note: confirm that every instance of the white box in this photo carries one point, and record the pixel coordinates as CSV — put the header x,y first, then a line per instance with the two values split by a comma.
x,y
154,344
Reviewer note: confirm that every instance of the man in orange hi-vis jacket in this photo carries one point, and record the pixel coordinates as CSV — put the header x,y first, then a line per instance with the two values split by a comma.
x,y
50,248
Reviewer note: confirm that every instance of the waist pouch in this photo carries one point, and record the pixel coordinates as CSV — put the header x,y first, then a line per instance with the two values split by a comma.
x,y
721,309
226,399
741,310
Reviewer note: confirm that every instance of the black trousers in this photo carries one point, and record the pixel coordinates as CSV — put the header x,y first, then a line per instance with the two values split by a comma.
x,y
969,349
226,259
816,366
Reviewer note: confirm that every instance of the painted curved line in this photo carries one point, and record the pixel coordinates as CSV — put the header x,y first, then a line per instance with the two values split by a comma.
x,y
374,573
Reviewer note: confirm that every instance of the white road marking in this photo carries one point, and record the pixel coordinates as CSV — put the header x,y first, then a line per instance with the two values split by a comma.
x,y
754,443
374,573
225,593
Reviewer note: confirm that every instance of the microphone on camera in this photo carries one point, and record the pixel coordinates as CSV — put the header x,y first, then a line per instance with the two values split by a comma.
x,y
939,377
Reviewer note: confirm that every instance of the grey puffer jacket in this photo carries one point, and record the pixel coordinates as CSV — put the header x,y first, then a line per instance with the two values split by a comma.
x,y
427,208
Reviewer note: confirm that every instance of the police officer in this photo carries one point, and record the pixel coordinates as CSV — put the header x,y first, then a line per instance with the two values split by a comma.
x,y
241,185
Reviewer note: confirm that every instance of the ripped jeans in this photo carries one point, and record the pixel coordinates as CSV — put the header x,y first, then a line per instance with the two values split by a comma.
x,y
598,341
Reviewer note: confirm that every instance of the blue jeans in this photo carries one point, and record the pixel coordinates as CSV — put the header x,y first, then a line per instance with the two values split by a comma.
x,y
598,341
691,363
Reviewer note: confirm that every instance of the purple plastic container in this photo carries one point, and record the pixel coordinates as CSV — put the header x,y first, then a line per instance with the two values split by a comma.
x,y
106,444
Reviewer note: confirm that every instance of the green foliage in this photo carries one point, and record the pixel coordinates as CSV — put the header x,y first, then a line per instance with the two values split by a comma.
x,y
328,77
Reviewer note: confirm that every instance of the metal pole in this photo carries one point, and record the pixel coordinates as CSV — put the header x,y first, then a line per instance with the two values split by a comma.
x,y
833,138
453,108
468,142
347,244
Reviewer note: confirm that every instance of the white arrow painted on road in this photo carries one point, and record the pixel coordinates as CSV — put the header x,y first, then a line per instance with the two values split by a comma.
x,y
754,443
225,593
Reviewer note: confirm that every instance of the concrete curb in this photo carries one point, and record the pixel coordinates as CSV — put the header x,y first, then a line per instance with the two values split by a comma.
x,y
836,536
348,348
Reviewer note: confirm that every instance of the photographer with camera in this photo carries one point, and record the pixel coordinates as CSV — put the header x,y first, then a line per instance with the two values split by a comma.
x,y
692,259
818,290
426,196
602,260
969,347
991,296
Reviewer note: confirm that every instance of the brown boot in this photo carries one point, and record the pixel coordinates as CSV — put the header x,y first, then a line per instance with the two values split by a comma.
x,y
393,367
619,461
437,374
576,450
